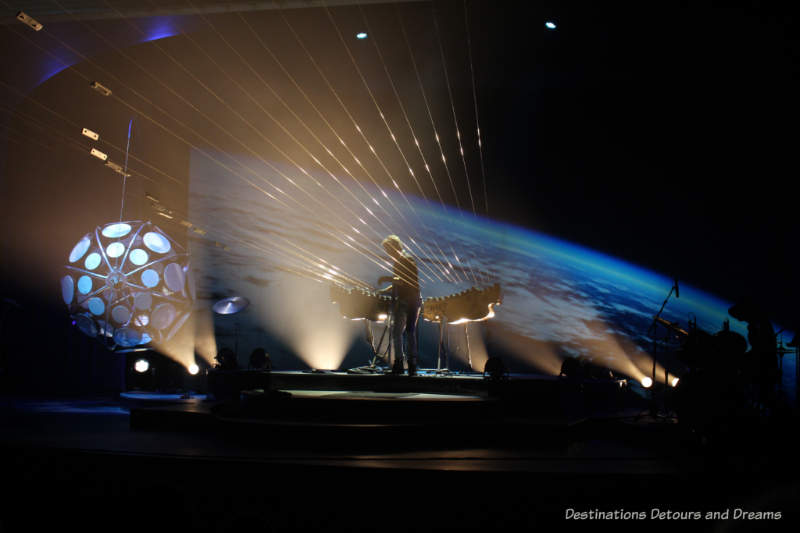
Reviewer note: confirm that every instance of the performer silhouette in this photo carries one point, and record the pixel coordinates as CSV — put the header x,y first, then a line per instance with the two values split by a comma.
x,y
407,303
763,350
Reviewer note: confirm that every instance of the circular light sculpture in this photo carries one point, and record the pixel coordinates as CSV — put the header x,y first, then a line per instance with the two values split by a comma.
x,y
129,284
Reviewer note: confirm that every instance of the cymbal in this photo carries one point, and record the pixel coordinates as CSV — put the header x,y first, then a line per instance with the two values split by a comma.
x,y
231,305
672,325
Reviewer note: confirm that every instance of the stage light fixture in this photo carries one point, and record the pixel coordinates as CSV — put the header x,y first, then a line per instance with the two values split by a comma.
x,y
102,89
128,284
30,21
194,369
89,133
674,382
647,382
141,366
117,168
361,35
550,25
98,154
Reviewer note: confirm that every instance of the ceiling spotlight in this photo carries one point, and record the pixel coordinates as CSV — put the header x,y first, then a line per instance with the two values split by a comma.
x,y
98,154
194,369
102,89
674,382
361,35
89,133
550,25
29,20
647,382
141,366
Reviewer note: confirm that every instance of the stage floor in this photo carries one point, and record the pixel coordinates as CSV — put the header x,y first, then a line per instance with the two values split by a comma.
x,y
89,461
103,425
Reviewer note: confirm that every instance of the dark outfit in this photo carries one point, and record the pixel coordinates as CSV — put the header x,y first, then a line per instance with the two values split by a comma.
x,y
405,289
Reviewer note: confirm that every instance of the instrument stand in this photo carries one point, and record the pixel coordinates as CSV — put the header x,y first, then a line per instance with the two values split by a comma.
x,y
652,333
469,352
374,366
444,348
442,351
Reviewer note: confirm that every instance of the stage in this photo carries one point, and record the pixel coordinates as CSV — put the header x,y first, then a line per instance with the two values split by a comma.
x,y
427,452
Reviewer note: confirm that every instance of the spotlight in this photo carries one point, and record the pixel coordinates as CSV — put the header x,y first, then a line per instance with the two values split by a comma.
x,y
383,316
550,25
29,20
99,87
98,154
141,366
194,369
647,382
361,35
674,382
89,133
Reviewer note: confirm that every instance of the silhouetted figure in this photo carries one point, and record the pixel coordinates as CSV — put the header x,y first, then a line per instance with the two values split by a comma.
x,y
407,303
226,360
259,360
763,354
715,387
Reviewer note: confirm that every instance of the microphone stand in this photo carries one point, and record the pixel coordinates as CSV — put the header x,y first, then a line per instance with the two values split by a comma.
x,y
652,333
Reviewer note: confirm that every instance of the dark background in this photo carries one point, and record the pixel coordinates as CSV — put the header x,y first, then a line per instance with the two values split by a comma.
x,y
661,133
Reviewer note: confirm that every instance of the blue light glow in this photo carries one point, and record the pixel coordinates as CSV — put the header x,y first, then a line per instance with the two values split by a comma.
x,y
156,242
157,28
92,261
139,257
115,249
115,231
160,28
96,306
150,278
550,25
361,35
80,249
85,285
67,289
